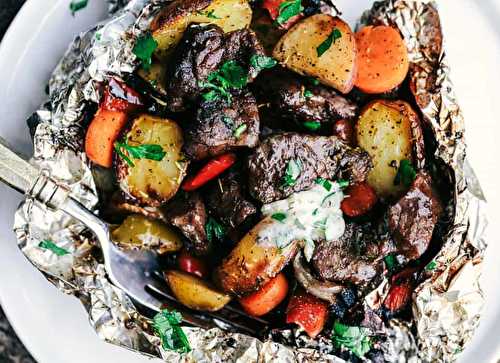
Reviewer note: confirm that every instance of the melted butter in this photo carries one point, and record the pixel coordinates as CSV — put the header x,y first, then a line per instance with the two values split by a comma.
x,y
311,215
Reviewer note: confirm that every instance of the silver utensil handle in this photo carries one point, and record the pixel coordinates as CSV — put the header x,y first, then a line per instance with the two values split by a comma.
x,y
14,170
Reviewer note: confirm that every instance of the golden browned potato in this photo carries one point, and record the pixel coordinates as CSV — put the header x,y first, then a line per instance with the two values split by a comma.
x,y
320,46
173,20
194,292
390,132
148,181
155,75
138,231
250,265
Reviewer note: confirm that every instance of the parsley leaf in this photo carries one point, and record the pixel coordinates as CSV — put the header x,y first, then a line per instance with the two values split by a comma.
x,y
261,62
293,170
353,338
406,174
280,217
343,183
240,130
209,14
313,81
312,125
327,43
214,229
390,262
229,75
144,49
144,151
166,326
51,246
288,9
325,183
77,5
431,266
308,94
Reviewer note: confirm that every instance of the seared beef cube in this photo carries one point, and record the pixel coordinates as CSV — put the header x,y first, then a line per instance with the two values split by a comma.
x,y
226,200
201,52
354,258
220,127
187,212
286,96
413,218
309,157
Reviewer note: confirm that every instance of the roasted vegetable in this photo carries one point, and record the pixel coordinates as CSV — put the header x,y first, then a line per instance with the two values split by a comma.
x,y
210,171
137,231
267,297
194,292
308,312
155,75
323,47
193,265
250,264
171,22
390,132
360,198
149,163
382,59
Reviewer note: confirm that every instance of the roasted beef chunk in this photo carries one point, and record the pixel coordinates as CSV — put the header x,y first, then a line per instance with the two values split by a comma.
x,y
219,127
286,96
202,50
226,200
287,163
355,258
187,212
413,217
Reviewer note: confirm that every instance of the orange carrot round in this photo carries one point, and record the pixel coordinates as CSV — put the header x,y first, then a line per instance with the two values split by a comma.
x,y
267,298
382,59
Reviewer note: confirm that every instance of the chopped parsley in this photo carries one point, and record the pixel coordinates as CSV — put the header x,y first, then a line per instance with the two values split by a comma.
x,y
353,338
240,130
312,125
209,14
288,9
77,5
431,266
214,229
98,36
390,262
167,328
327,43
343,183
144,151
220,82
261,62
144,49
280,217
325,183
313,81
406,174
308,94
293,170
51,246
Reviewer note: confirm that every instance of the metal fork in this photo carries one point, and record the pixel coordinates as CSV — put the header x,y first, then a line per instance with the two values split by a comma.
x,y
137,273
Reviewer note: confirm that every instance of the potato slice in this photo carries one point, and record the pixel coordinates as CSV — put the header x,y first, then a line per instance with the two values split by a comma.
x,y
151,182
155,75
172,21
194,292
298,51
138,231
390,132
250,265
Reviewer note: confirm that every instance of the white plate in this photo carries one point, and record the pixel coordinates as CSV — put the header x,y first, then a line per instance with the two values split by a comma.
x,y
53,326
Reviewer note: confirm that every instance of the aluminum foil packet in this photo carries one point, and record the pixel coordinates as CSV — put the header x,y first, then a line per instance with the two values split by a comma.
x,y
446,305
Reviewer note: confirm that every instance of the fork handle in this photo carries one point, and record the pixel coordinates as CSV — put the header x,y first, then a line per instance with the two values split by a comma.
x,y
16,171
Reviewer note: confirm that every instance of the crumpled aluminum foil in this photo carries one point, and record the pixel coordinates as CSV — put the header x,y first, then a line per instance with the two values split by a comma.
x,y
447,305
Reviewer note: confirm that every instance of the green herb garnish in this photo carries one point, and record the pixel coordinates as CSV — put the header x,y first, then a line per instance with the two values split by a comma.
x,y
144,151
209,14
288,9
308,94
325,183
280,217
240,130
51,246
214,229
166,326
293,170
98,36
406,174
343,183
230,75
431,266
261,62
354,338
327,43
144,49
77,5
312,125
313,81
390,262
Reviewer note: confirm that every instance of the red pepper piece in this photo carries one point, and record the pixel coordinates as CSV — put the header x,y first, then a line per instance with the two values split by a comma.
x,y
400,291
273,7
120,97
192,265
307,311
360,199
214,168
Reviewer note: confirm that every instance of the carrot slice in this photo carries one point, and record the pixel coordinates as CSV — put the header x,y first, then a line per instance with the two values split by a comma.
x,y
102,134
382,59
267,298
